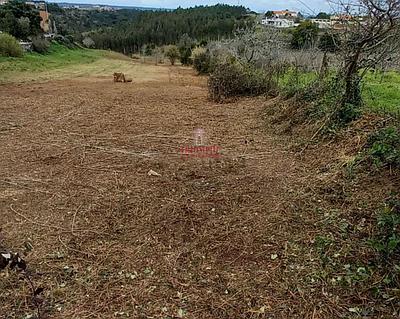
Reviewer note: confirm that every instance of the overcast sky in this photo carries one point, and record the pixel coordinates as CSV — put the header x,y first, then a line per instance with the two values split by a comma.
x,y
306,6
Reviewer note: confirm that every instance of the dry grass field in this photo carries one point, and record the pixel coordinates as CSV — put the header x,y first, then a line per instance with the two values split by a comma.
x,y
203,238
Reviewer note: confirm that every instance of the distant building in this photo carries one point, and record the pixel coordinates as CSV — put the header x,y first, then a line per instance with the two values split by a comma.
x,y
280,19
278,22
3,2
285,14
322,23
343,21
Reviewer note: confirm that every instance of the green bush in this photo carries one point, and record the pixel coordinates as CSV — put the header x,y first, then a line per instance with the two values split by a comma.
x,y
201,60
383,147
67,41
329,42
346,113
9,46
304,36
323,98
386,240
172,53
295,83
232,79
40,45
185,46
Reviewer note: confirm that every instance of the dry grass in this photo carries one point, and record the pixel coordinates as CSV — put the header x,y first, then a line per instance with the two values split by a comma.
x,y
106,64
227,238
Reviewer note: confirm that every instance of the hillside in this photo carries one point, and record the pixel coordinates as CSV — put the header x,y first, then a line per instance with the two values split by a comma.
x,y
60,63
128,31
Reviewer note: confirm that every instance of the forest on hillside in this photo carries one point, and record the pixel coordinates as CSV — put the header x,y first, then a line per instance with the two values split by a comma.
x,y
128,31
76,21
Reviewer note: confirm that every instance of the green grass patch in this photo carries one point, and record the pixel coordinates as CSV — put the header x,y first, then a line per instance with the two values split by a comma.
x,y
293,80
58,56
381,92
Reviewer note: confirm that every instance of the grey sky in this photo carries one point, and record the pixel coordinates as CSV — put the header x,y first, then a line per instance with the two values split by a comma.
x,y
258,5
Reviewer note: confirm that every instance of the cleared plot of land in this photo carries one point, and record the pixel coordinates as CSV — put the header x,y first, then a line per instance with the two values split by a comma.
x,y
110,238
220,238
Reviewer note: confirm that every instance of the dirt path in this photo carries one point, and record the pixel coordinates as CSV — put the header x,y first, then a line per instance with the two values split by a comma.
x,y
206,239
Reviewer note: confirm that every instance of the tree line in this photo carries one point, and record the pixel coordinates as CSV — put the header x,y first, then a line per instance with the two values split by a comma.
x,y
74,22
158,28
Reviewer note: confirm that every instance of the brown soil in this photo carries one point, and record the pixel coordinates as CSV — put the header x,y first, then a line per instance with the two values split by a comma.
x,y
208,238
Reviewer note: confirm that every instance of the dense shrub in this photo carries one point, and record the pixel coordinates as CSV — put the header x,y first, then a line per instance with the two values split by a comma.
x,y
387,239
66,41
329,42
231,79
201,60
383,147
9,46
323,98
185,46
172,53
40,45
305,35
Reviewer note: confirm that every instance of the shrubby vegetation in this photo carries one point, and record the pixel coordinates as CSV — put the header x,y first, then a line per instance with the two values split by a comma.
x,y
383,147
202,60
128,31
40,45
9,46
172,53
329,42
185,46
23,22
74,22
232,78
19,19
305,35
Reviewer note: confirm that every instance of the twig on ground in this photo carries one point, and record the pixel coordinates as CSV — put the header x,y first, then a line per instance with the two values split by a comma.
x,y
57,227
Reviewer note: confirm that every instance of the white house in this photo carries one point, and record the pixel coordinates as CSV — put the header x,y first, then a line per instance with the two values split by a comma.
x,y
322,23
280,19
278,22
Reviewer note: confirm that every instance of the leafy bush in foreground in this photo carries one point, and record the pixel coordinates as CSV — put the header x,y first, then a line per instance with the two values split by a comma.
x,y
9,46
387,241
232,79
323,96
384,147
